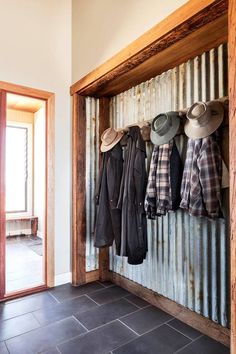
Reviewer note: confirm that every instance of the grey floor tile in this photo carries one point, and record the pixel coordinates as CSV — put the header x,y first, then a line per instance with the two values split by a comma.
x,y
26,305
146,319
67,291
64,309
137,301
3,348
106,313
44,338
109,294
185,329
52,351
205,345
99,341
107,283
162,340
17,325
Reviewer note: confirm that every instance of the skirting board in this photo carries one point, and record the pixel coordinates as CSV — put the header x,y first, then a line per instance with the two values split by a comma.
x,y
193,319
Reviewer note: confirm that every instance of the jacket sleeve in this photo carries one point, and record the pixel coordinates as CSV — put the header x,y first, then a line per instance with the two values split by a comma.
x,y
114,175
140,179
99,180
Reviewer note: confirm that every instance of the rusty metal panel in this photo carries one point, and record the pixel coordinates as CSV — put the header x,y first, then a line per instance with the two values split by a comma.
x,y
92,161
188,257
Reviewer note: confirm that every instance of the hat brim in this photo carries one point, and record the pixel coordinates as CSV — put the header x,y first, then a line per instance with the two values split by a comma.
x,y
215,121
105,148
156,139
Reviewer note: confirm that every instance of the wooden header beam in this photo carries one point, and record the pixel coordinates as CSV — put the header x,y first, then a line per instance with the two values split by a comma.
x,y
197,26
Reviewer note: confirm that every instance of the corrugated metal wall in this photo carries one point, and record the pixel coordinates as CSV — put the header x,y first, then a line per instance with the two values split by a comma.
x,y
92,167
188,257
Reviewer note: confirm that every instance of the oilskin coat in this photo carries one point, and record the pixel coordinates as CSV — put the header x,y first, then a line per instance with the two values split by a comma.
x,y
108,218
131,199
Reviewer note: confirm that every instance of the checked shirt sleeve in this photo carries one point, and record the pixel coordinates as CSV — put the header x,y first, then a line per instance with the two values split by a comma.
x,y
151,192
210,170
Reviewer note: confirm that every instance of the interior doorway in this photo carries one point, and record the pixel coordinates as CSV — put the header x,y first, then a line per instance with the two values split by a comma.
x,y
27,186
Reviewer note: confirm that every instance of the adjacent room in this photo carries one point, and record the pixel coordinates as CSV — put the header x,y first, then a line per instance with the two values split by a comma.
x,y
25,192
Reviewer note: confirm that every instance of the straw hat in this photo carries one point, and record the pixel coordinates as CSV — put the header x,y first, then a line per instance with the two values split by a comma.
x,y
110,137
203,119
164,127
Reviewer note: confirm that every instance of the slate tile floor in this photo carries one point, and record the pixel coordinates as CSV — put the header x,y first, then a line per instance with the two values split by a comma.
x,y
96,318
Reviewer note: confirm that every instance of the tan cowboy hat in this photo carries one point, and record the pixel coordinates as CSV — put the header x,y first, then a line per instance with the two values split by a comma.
x,y
203,119
164,127
110,137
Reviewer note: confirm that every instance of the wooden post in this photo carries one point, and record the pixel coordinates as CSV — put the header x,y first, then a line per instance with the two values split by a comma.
x,y
103,124
78,191
232,156
2,192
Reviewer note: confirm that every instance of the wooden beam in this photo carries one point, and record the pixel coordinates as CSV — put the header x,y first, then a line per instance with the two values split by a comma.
x,y
103,124
188,48
179,26
2,192
200,323
78,191
232,159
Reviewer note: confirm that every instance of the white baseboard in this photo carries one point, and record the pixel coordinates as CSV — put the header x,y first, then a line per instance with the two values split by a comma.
x,y
63,278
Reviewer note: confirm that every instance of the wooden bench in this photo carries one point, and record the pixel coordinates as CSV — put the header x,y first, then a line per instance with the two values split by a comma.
x,y
32,219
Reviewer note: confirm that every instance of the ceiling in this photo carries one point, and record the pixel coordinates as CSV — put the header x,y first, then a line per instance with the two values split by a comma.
x,y
24,103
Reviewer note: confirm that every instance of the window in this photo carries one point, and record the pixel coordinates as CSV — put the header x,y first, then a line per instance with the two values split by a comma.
x,y
18,169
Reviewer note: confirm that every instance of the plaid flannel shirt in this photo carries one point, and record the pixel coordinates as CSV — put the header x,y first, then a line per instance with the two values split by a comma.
x,y
158,195
201,184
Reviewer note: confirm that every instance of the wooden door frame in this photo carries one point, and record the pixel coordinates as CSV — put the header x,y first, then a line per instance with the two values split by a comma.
x,y
49,98
194,28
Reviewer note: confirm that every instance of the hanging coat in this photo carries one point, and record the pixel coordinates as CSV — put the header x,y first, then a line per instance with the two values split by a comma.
x,y
108,218
131,199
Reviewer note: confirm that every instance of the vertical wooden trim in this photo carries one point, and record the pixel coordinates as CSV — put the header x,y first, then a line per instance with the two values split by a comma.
x,y
49,99
2,191
78,190
104,122
50,192
232,155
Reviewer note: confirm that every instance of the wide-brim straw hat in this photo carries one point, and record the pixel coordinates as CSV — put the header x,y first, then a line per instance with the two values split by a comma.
x,y
203,119
164,127
110,137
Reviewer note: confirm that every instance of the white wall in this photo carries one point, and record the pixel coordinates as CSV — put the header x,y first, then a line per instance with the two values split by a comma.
x,y
101,28
35,41
39,169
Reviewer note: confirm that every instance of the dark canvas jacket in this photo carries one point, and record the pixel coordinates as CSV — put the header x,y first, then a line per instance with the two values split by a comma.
x,y
108,218
131,199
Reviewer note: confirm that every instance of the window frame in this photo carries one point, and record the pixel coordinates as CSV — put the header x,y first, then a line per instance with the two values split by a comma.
x,y
29,186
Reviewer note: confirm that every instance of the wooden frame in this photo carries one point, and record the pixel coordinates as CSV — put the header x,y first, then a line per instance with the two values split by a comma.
x,y
194,28
232,160
78,191
49,99
2,191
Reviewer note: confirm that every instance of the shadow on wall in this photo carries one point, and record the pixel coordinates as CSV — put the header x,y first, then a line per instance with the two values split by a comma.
x,y
109,26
